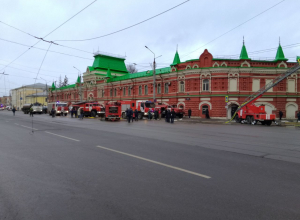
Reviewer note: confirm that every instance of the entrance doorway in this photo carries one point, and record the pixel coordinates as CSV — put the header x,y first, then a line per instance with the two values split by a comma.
x,y
231,110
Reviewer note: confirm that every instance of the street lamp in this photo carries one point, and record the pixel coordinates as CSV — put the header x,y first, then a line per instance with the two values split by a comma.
x,y
46,87
80,83
153,74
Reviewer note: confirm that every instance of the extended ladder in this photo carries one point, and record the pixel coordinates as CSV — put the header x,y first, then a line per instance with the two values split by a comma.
x,y
268,86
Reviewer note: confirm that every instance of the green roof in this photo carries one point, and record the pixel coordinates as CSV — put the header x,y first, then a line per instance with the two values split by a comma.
x,y
244,54
140,74
280,54
176,59
108,74
104,62
53,86
66,87
78,80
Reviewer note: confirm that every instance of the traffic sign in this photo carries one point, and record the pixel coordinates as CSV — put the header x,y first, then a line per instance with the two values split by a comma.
x,y
226,98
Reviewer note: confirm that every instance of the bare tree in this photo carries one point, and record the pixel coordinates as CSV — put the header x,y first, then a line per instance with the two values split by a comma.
x,y
59,82
65,82
131,68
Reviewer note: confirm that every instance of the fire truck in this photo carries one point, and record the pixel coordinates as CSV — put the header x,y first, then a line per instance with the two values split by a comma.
x,y
178,111
90,109
59,107
249,113
113,111
142,106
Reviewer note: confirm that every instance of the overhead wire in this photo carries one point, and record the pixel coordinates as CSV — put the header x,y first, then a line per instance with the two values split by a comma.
x,y
123,29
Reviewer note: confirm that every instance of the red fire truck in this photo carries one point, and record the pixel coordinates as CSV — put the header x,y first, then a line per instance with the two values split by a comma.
x,y
178,111
59,107
90,109
252,114
142,106
113,111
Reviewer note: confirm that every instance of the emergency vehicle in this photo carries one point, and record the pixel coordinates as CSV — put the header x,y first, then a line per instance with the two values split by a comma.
x,y
162,107
59,108
142,106
251,114
90,109
113,111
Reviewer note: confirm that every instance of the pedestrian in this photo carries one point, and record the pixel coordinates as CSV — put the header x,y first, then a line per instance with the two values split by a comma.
x,y
31,112
166,115
133,115
169,116
159,114
189,113
298,115
173,114
155,114
72,112
129,115
53,113
81,113
136,113
149,114
280,115
126,113
14,110
207,114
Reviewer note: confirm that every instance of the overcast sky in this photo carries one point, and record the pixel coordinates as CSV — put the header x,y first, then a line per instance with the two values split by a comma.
x,y
191,26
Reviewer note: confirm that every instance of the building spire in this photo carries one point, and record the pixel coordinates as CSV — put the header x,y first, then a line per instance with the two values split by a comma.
x,y
176,58
244,54
280,55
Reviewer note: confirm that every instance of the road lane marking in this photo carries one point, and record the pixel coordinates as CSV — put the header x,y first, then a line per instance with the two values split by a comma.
x,y
159,163
61,136
28,127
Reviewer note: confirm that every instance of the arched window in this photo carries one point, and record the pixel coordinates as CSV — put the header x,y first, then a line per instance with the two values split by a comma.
x,y
166,88
204,109
158,88
115,92
181,86
111,92
124,91
146,89
205,85
140,90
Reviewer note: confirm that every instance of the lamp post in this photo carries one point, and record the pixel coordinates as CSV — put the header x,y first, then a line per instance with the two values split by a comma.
x,y
80,84
154,76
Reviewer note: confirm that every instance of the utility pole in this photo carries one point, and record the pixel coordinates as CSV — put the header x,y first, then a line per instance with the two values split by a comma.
x,y
46,89
80,89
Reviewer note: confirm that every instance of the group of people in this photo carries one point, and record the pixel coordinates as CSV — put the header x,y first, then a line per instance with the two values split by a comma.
x,y
130,114
170,115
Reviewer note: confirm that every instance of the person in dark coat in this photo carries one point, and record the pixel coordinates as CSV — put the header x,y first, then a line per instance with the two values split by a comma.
x,y
298,115
129,115
31,112
169,116
280,115
133,115
81,113
136,113
149,114
14,110
53,112
189,113
126,113
155,114
166,115
75,112
207,114
173,114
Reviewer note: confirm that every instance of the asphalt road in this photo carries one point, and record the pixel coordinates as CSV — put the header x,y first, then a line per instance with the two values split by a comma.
x,y
66,168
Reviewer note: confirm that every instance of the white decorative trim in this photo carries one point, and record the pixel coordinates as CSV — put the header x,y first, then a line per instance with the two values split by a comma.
x,y
188,67
282,63
205,99
180,100
173,69
265,103
291,103
245,62
181,103
233,99
216,64
291,100
265,99
223,64
195,66
233,102
205,102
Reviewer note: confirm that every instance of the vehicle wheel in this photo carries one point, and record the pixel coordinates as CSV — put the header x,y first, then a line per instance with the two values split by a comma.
x,y
268,123
140,116
93,114
248,119
251,120
263,123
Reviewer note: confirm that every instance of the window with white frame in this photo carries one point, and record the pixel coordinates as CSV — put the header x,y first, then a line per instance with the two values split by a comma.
x,y
111,92
129,90
140,90
124,91
115,92
205,85
146,89
166,88
158,88
181,86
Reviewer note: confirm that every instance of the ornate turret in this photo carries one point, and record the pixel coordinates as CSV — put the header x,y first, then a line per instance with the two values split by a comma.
x,y
280,54
176,59
108,74
244,54
78,81
53,87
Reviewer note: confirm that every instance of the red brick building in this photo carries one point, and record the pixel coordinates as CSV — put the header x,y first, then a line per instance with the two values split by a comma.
x,y
195,84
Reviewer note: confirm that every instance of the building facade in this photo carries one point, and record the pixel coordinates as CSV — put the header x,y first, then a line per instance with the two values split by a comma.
x,y
25,95
196,84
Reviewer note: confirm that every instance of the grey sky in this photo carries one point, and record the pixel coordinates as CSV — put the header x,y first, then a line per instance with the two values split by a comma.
x,y
190,26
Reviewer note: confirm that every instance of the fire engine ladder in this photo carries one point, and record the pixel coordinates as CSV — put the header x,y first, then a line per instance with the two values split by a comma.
x,y
268,86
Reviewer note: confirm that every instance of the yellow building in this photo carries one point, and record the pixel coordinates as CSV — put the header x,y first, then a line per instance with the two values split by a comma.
x,y
40,97
22,95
